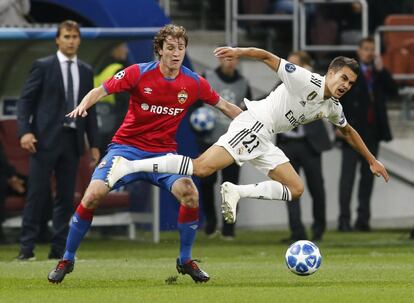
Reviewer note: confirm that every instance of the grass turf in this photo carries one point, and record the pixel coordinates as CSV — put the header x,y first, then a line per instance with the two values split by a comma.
x,y
356,267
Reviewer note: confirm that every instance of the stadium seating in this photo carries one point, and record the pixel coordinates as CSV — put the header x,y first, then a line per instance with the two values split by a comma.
x,y
399,47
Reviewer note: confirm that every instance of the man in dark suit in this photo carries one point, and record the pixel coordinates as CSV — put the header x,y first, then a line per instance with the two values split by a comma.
x,y
55,86
304,146
304,150
365,108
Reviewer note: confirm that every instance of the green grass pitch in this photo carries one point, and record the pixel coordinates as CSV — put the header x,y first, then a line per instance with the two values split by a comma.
x,y
356,267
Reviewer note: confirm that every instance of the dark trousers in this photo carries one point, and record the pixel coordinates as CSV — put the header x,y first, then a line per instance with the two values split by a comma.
x,y
230,174
63,162
350,159
302,156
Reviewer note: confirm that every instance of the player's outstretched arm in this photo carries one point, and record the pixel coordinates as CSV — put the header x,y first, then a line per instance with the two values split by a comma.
x,y
270,59
355,140
89,100
229,109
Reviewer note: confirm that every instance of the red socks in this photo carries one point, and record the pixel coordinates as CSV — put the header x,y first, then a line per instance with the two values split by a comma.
x,y
187,214
85,213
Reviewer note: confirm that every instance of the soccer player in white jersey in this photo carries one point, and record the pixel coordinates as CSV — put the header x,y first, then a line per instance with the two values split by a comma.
x,y
303,97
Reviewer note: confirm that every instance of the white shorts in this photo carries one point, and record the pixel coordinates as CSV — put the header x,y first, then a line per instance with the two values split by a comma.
x,y
249,140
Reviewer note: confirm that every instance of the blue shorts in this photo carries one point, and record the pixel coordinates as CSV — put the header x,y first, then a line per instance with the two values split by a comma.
x,y
132,153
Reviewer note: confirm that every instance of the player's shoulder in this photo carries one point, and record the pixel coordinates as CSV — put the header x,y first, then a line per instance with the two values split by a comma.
x,y
146,66
335,102
190,74
316,80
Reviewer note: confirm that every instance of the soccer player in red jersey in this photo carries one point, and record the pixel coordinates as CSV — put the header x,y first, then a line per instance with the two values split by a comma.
x,y
160,94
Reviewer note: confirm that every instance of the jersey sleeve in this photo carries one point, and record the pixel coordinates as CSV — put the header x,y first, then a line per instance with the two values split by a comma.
x,y
122,81
337,116
299,81
207,93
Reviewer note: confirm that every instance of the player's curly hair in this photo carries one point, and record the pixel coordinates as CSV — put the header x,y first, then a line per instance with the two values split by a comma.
x,y
341,61
175,31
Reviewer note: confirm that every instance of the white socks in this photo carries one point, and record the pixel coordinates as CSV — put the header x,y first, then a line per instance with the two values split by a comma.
x,y
170,164
182,165
267,190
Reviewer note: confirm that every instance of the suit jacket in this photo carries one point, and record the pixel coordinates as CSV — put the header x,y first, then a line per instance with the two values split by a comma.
x,y
316,135
41,108
355,103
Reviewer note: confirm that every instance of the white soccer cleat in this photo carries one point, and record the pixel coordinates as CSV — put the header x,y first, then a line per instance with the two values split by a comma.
x,y
118,170
229,199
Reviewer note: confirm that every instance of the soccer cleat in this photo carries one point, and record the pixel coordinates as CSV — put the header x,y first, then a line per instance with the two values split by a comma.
x,y
62,268
191,268
229,199
118,170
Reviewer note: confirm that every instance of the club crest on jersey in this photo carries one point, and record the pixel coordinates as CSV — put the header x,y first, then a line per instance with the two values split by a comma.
x,y
318,116
311,96
119,75
290,68
182,96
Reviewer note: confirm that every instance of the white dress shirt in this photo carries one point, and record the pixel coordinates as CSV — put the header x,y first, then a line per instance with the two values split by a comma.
x,y
63,61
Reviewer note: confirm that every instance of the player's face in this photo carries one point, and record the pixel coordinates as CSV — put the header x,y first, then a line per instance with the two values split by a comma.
x,y
172,53
340,82
366,52
68,42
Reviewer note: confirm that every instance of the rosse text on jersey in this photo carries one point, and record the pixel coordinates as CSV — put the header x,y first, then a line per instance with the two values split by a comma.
x,y
162,110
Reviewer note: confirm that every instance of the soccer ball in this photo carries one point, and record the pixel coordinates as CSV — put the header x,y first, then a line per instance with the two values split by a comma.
x,y
203,119
303,258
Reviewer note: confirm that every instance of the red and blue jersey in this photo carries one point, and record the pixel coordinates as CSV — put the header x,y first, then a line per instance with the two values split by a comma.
x,y
157,104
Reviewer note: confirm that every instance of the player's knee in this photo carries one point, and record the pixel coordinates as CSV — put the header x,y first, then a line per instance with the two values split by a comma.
x,y
92,197
189,194
297,189
201,169
190,199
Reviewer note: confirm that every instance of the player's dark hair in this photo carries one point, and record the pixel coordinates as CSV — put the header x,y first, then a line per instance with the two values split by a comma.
x,y
175,31
341,61
69,25
366,39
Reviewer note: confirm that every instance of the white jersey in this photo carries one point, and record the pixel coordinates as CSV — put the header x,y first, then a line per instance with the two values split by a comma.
x,y
298,100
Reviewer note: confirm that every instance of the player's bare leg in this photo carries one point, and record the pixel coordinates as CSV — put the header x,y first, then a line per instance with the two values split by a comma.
x,y
286,186
213,159
288,177
80,224
186,193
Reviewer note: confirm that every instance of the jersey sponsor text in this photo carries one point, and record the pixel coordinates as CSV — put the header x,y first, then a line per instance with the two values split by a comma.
x,y
292,120
164,110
